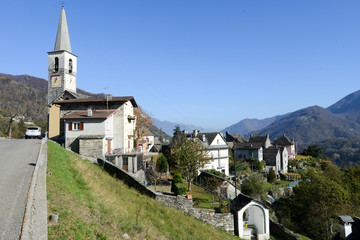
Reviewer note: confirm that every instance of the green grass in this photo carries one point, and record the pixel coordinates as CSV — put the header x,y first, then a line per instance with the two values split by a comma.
x,y
302,236
94,205
203,198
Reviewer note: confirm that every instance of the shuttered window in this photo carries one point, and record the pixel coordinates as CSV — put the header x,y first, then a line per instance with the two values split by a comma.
x,y
76,126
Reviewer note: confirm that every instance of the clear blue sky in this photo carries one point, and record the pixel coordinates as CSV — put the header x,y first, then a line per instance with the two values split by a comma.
x,y
201,62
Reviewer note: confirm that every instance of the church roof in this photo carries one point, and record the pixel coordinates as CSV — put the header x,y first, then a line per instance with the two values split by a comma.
x,y
62,37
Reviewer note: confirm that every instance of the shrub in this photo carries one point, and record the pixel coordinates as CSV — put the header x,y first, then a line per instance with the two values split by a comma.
x,y
176,179
162,164
180,189
271,176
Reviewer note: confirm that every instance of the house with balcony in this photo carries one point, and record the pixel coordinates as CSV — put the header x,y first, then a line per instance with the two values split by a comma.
x,y
96,127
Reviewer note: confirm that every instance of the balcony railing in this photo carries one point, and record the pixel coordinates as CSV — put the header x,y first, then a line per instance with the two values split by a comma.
x,y
127,150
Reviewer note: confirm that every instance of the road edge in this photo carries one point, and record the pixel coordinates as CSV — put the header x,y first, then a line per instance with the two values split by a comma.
x,y
35,219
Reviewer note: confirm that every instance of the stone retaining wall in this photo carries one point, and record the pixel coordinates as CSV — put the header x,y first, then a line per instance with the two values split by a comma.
x,y
128,180
178,202
224,221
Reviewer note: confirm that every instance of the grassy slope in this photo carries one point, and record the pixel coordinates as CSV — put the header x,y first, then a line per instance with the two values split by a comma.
x,y
93,205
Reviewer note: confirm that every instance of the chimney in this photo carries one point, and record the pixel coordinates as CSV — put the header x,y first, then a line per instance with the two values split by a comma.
x,y
89,112
195,133
203,137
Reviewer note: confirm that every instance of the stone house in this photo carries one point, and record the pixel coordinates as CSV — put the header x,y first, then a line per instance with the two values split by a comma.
x,y
245,150
283,141
251,218
263,140
217,147
272,157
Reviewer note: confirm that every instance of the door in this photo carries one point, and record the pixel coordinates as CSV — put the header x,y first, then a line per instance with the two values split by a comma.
x,y
125,165
108,146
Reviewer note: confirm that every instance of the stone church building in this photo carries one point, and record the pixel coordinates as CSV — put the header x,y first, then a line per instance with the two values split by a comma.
x,y
90,126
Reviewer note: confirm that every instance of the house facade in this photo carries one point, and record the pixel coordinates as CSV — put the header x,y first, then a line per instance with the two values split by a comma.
x,y
108,122
246,150
283,141
272,157
217,148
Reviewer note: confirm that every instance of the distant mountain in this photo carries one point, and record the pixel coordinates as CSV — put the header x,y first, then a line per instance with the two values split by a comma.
x,y
168,127
349,107
42,84
248,125
312,125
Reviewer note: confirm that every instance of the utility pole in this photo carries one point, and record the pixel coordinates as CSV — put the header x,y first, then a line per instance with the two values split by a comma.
x,y
10,123
234,148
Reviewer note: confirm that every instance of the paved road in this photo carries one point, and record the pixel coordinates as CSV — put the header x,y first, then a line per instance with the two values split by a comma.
x,y
17,162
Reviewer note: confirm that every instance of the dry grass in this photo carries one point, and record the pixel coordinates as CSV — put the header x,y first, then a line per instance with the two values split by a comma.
x,y
93,205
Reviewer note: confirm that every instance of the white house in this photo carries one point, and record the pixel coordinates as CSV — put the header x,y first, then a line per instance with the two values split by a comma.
x,y
98,126
251,218
217,148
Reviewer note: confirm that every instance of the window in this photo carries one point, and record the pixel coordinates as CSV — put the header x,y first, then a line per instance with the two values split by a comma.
x,y
56,64
76,126
70,66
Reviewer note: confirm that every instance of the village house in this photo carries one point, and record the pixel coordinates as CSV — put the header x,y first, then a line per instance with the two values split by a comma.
x,y
217,148
248,150
283,141
263,140
93,131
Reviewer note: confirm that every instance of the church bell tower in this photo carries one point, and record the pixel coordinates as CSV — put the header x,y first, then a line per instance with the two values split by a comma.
x,y
62,64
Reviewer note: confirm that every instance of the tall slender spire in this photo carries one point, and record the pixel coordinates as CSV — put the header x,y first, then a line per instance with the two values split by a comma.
x,y
62,37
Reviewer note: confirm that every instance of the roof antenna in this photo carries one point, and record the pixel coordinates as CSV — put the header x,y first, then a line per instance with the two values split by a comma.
x,y
63,3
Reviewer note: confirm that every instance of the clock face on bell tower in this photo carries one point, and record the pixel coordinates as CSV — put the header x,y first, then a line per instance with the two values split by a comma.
x,y
56,81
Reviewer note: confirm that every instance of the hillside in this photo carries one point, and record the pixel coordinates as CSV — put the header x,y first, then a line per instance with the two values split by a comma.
x,y
94,205
21,99
249,125
312,125
349,107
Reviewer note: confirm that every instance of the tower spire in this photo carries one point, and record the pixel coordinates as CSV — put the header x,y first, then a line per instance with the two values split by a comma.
x,y
62,37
